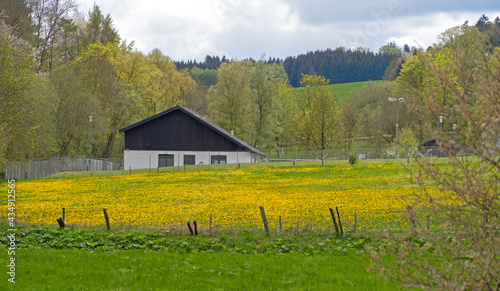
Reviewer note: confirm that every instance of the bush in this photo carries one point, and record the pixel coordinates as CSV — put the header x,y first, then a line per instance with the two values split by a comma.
x,y
352,159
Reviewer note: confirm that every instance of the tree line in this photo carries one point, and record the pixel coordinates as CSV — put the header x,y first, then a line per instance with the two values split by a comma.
x,y
340,65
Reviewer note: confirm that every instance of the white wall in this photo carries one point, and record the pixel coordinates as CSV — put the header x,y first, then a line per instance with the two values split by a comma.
x,y
149,159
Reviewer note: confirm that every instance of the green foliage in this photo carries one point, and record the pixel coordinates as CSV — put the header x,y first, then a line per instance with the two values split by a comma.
x,y
318,121
339,65
254,101
243,242
206,76
353,159
100,28
231,99
26,103
462,85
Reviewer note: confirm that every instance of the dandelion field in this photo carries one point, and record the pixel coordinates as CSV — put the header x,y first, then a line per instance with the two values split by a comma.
x,y
300,195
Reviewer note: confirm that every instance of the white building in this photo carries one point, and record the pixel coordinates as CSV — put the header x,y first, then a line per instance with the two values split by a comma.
x,y
179,136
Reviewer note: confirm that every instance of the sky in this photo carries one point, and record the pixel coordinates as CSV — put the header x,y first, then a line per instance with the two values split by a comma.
x,y
240,29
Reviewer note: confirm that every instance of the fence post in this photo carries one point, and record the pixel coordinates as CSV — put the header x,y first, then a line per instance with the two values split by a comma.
x,y
411,216
334,221
61,222
64,215
281,230
428,218
195,227
190,229
106,217
267,165
210,223
355,222
264,219
340,223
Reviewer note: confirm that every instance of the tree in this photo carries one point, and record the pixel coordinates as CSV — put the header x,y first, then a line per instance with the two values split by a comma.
x,y
286,112
267,105
74,105
172,85
231,99
17,16
47,15
119,101
26,107
377,116
318,120
349,119
207,76
464,253
99,28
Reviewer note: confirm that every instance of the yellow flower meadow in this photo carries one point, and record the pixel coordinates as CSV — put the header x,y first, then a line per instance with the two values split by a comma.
x,y
301,196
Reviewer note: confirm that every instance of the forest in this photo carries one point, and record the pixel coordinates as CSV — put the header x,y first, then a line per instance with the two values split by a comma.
x,y
59,66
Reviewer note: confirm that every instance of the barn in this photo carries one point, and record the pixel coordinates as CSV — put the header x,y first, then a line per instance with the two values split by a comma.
x,y
180,136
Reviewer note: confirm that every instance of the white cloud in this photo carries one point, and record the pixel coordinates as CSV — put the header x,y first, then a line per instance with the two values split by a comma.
x,y
192,29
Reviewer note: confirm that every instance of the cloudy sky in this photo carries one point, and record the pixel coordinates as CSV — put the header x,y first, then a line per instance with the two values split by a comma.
x,y
192,29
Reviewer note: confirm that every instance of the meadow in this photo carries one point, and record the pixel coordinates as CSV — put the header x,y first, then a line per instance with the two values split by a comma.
x,y
149,247
302,197
343,91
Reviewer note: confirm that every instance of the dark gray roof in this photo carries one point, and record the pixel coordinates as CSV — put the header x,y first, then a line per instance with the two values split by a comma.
x,y
201,119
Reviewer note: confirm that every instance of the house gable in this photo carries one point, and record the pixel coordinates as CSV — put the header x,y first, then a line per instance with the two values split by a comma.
x,y
179,129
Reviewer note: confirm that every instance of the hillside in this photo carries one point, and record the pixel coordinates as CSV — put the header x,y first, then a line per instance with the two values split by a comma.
x,y
339,65
343,91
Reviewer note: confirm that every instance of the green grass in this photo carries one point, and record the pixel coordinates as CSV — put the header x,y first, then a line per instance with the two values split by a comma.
x,y
41,269
240,166
130,259
343,91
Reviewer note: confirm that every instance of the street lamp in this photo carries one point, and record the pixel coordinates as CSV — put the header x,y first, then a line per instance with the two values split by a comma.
x,y
90,135
441,117
454,139
397,116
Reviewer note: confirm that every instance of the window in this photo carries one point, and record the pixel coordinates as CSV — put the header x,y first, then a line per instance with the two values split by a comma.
x,y
189,160
218,160
165,160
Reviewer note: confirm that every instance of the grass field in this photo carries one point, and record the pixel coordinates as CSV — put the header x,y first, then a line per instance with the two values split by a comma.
x,y
343,91
149,247
144,270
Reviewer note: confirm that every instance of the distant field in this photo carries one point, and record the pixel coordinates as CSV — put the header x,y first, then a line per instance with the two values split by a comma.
x,y
343,91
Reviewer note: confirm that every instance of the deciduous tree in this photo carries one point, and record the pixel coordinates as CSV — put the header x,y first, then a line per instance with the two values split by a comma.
x,y
318,120
231,99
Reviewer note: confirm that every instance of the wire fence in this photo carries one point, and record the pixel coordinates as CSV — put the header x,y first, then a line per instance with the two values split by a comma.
x,y
51,166
54,165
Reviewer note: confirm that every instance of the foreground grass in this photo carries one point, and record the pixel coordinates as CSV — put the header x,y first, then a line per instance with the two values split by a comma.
x,y
41,269
129,259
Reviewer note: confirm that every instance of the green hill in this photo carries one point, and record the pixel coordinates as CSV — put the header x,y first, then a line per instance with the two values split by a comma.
x,y
343,91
